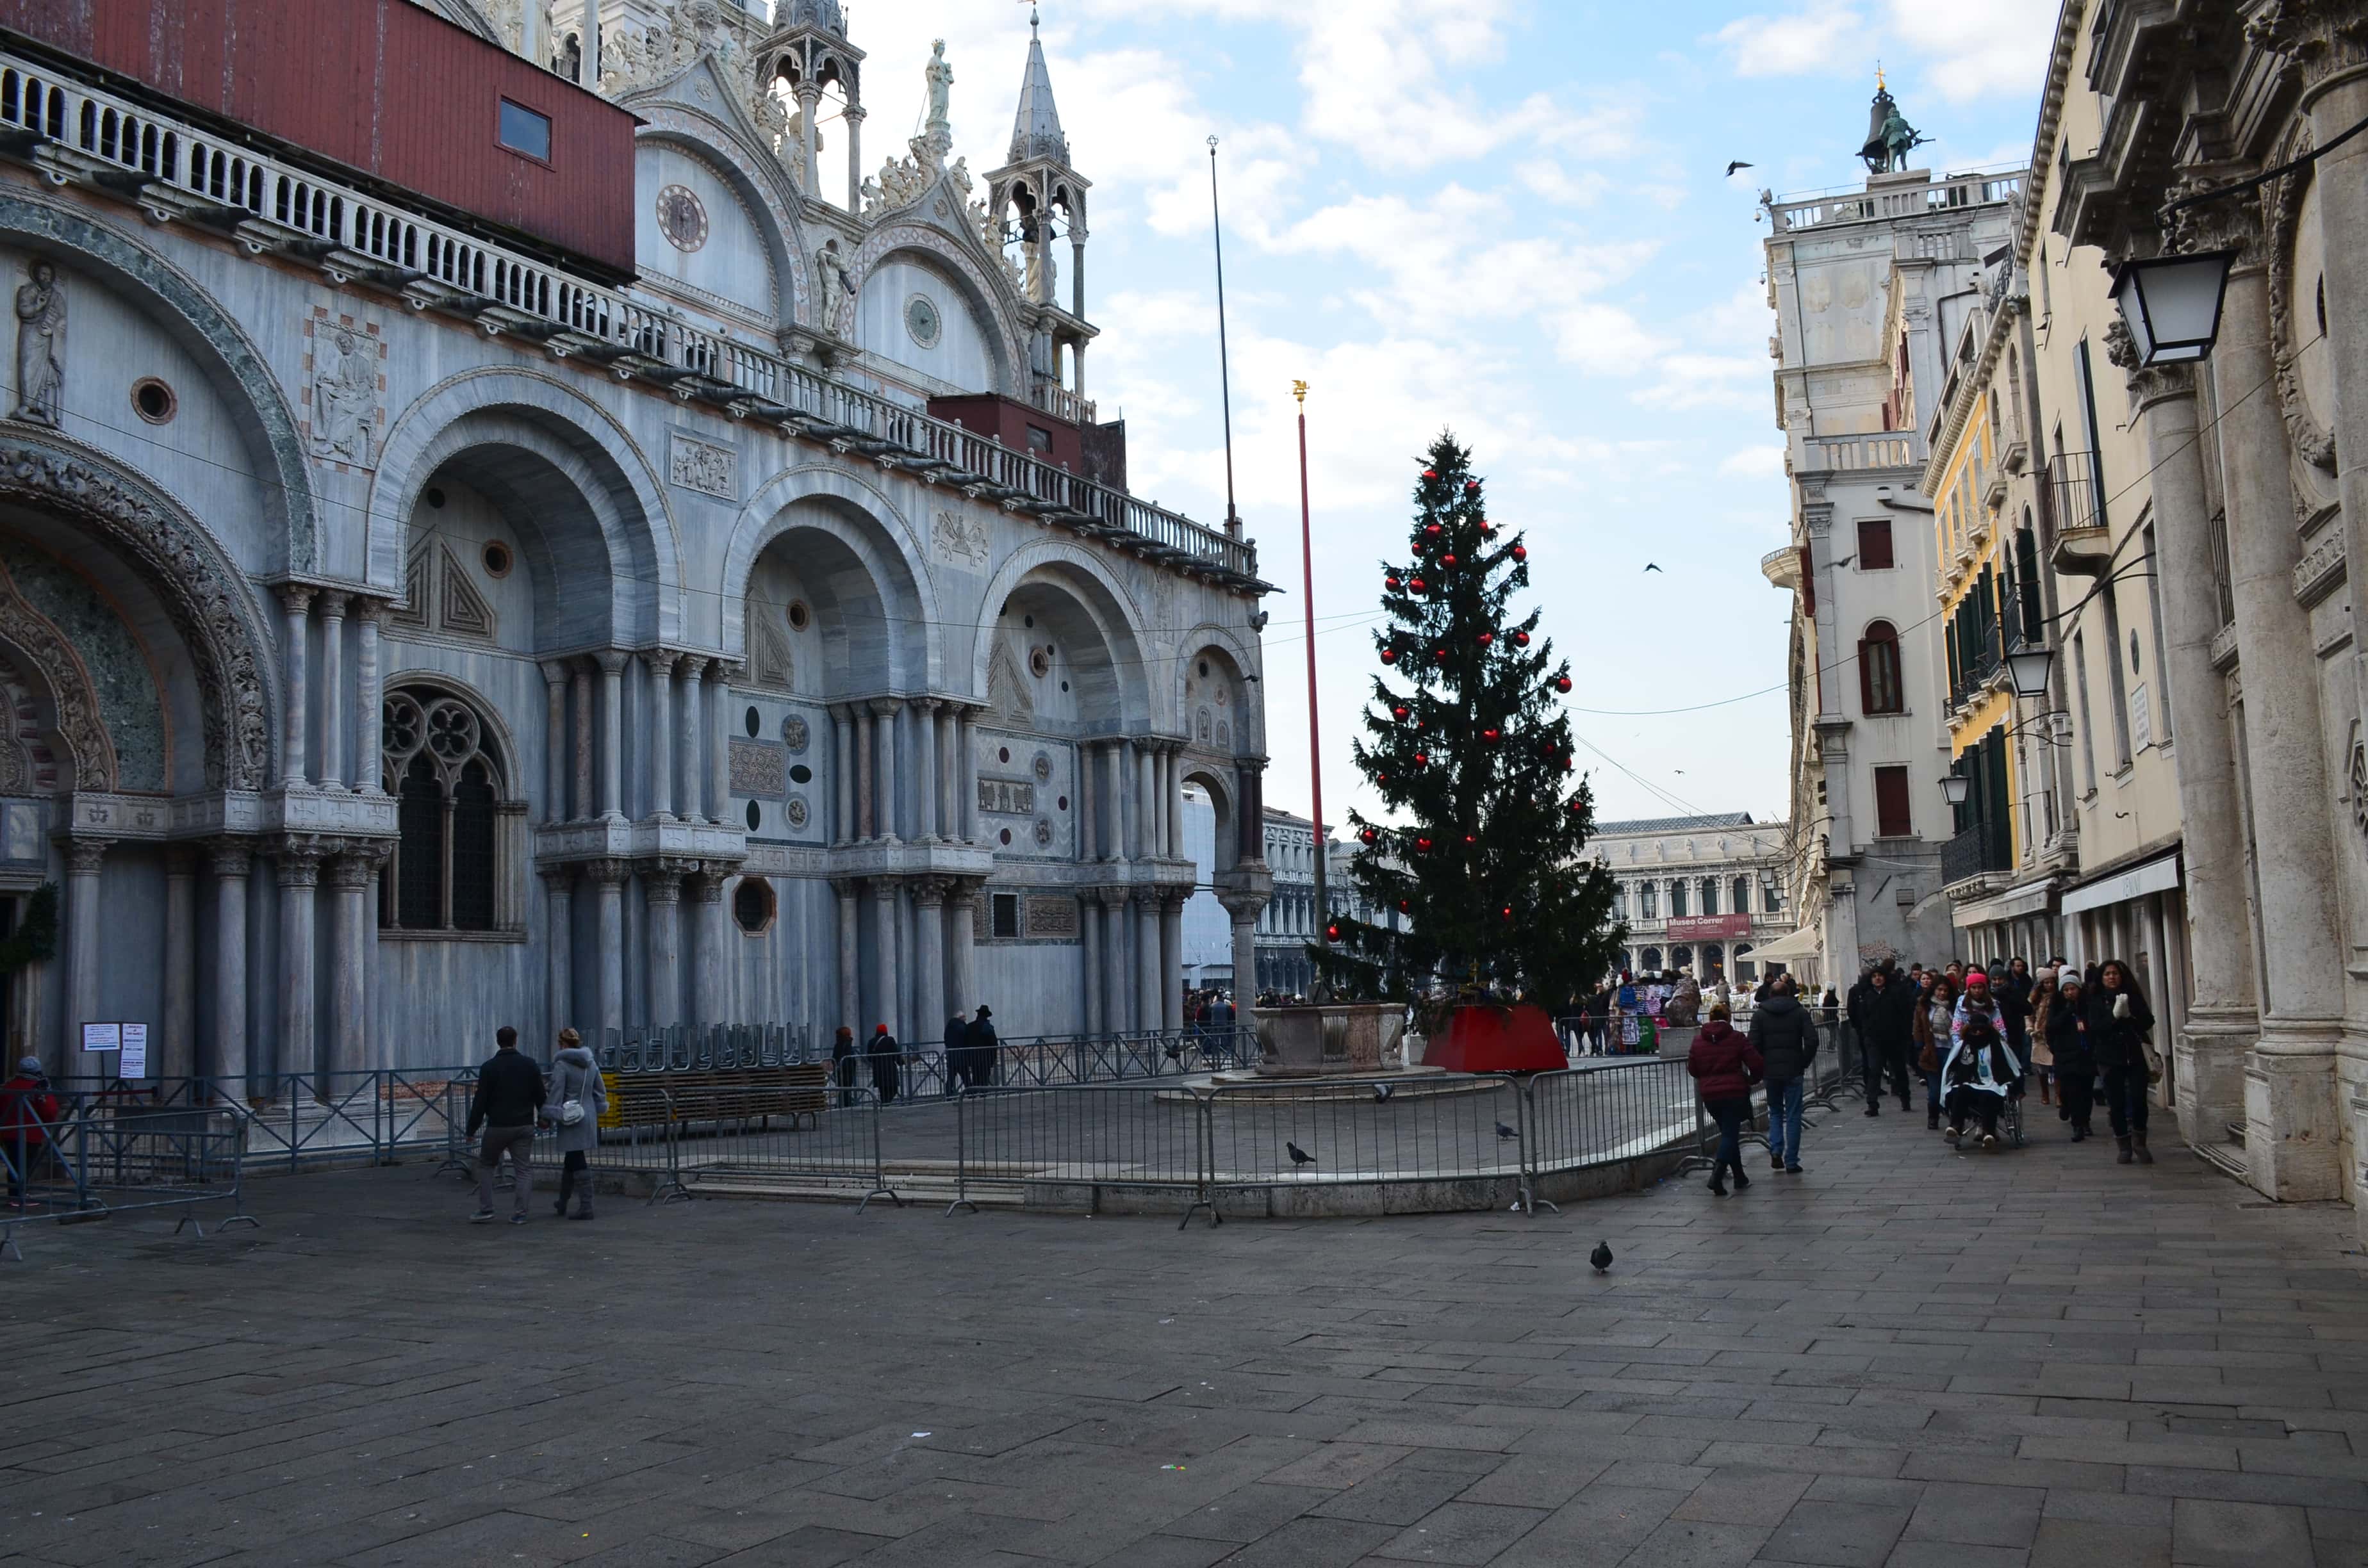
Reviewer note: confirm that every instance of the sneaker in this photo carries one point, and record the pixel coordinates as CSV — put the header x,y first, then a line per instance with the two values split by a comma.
x,y
517,1219
1989,1141
1873,1111
1791,1170
1775,1162
482,1217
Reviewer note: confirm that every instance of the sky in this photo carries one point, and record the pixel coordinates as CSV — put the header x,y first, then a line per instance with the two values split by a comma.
x,y
1506,218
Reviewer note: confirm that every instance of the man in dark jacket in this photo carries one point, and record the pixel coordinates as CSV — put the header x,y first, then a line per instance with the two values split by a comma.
x,y
1786,1039
984,1049
506,1102
886,1071
1858,1009
957,1058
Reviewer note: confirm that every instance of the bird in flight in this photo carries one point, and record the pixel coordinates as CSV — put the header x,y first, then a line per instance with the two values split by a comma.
x,y
1299,1156
1601,1257
1738,164
1650,567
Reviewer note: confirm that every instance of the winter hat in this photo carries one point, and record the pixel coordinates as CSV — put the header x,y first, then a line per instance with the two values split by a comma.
x,y
880,1028
30,1064
984,1011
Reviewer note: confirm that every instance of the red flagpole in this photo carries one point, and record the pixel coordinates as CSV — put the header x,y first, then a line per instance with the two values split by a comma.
x,y
1314,731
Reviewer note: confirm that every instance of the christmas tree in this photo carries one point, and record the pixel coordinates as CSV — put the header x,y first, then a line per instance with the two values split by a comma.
x,y
1467,745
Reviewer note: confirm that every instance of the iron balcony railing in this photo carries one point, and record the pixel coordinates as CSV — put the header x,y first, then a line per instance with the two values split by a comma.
x,y
1985,847
172,169
2072,479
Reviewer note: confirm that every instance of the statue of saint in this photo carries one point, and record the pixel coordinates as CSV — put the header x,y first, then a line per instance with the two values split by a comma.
x,y
41,346
942,80
837,290
344,397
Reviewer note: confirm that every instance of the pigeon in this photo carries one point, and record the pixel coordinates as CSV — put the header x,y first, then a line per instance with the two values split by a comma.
x,y
1601,1257
1299,1156
1382,1093
1504,1131
1650,567
1738,164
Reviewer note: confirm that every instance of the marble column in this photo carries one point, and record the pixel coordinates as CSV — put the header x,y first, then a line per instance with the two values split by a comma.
x,y
660,663
1245,915
864,793
1089,810
1114,800
965,775
662,900
295,757
842,770
298,869
961,914
719,742
852,119
710,1001
1089,912
609,943
585,808
1147,804
947,726
885,811
334,723
351,877
84,858
2292,1143
850,980
1171,961
177,1054
2209,1043
925,780
883,957
613,732
230,862
1117,996
1147,1008
369,696
810,162
559,967
555,741
929,962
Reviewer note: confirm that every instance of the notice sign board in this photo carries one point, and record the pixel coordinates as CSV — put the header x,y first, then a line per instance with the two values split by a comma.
x,y
102,1036
129,1041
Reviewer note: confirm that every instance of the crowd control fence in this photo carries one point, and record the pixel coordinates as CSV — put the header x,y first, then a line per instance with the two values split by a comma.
x,y
95,1161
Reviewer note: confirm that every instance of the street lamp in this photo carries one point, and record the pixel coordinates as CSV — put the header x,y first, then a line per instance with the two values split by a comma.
x,y
1956,786
2029,668
2171,304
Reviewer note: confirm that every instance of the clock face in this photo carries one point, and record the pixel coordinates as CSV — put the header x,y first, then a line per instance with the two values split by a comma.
x,y
921,321
681,218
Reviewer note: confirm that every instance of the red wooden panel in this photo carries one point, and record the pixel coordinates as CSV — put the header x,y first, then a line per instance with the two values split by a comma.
x,y
1008,421
385,87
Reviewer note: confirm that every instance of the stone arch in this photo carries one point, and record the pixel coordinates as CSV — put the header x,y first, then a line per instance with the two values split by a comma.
x,y
197,587
44,678
854,517
1214,644
256,400
1098,596
563,465
732,152
1224,796
504,741
29,763
993,299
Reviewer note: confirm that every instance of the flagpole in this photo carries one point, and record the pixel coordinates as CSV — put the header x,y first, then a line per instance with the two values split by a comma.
x,y
1225,371
1314,731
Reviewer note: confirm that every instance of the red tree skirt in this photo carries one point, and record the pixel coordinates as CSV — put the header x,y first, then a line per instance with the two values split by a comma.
x,y
1520,1038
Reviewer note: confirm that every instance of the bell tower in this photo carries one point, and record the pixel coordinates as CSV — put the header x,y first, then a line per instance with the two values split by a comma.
x,y
808,50
1039,198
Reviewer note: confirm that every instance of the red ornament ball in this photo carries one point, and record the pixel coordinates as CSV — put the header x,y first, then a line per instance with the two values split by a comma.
x,y
1563,684
1331,933
1520,553
1391,584
1576,805
1423,844
1369,836
1431,530
1448,559
1508,912
1418,586
1488,734
1487,638
1430,473
1398,713
1469,839
1403,904
1389,655
1441,655
1470,485
1520,638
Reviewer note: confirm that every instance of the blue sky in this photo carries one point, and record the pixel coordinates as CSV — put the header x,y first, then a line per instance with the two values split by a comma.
x,y
1507,217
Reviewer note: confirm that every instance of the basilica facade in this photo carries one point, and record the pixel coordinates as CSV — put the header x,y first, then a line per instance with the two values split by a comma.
x,y
427,604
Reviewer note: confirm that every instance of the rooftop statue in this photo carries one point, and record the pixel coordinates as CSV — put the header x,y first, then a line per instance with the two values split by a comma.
x,y
1889,137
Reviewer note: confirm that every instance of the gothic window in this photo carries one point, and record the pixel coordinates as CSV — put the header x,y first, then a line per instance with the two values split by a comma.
x,y
1878,670
438,764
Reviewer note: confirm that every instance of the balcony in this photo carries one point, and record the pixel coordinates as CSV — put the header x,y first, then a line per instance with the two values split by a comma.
x,y
1863,205
1973,856
1859,454
172,170
2069,494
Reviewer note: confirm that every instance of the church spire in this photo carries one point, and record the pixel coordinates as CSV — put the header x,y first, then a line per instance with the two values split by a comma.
x,y
1036,130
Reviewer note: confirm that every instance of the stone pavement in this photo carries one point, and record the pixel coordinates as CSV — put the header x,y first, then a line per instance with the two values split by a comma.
x,y
1904,1357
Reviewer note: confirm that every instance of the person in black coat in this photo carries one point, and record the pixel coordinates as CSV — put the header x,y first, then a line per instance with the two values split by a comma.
x,y
2013,993
2076,1059
1785,1036
2118,1021
884,1052
957,1062
843,1053
984,1049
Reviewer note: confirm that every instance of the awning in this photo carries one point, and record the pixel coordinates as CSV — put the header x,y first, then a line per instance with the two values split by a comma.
x,y
1807,942
2150,876
2031,898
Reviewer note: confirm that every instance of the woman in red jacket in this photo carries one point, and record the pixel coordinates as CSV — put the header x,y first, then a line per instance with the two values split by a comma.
x,y
1725,1066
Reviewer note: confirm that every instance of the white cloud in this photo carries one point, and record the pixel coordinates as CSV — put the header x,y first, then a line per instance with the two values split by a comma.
x,y
1704,380
1753,463
1786,46
1972,47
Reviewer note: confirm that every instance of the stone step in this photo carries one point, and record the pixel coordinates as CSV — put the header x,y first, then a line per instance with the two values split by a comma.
x,y
2226,1158
2236,1132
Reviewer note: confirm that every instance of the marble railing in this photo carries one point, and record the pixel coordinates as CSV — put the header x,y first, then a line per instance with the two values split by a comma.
x,y
1861,204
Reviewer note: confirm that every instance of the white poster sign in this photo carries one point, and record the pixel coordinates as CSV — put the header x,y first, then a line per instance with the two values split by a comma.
x,y
135,1052
102,1036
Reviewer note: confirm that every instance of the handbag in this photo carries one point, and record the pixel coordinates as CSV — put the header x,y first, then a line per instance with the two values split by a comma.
x,y
570,1113
1928,1059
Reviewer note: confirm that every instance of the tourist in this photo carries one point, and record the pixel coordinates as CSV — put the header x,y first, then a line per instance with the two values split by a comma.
x,y
1979,1000
984,1049
2072,1061
506,1102
582,1097
1599,1020
27,1111
2013,991
1725,1066
2118,1021
1980,1072
1872,1007
1785,1037
884,1054
842,1063
1934,1017
957,1054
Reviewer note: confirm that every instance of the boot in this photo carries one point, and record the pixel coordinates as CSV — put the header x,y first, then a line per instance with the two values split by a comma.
x,y
2078,1132
2124,1157
1931,1122
1718,1182
2137,1140
566,1181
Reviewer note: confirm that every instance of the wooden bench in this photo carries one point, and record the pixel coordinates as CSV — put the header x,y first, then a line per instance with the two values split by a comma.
x,y
717,1094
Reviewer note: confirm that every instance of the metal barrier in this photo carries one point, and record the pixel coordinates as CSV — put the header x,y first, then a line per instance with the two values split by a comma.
x,y
1092,1135
94,1162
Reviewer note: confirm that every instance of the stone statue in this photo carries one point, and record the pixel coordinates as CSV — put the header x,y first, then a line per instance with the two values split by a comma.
x,y
344,397
41,346
1889,136
838,289
942,80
